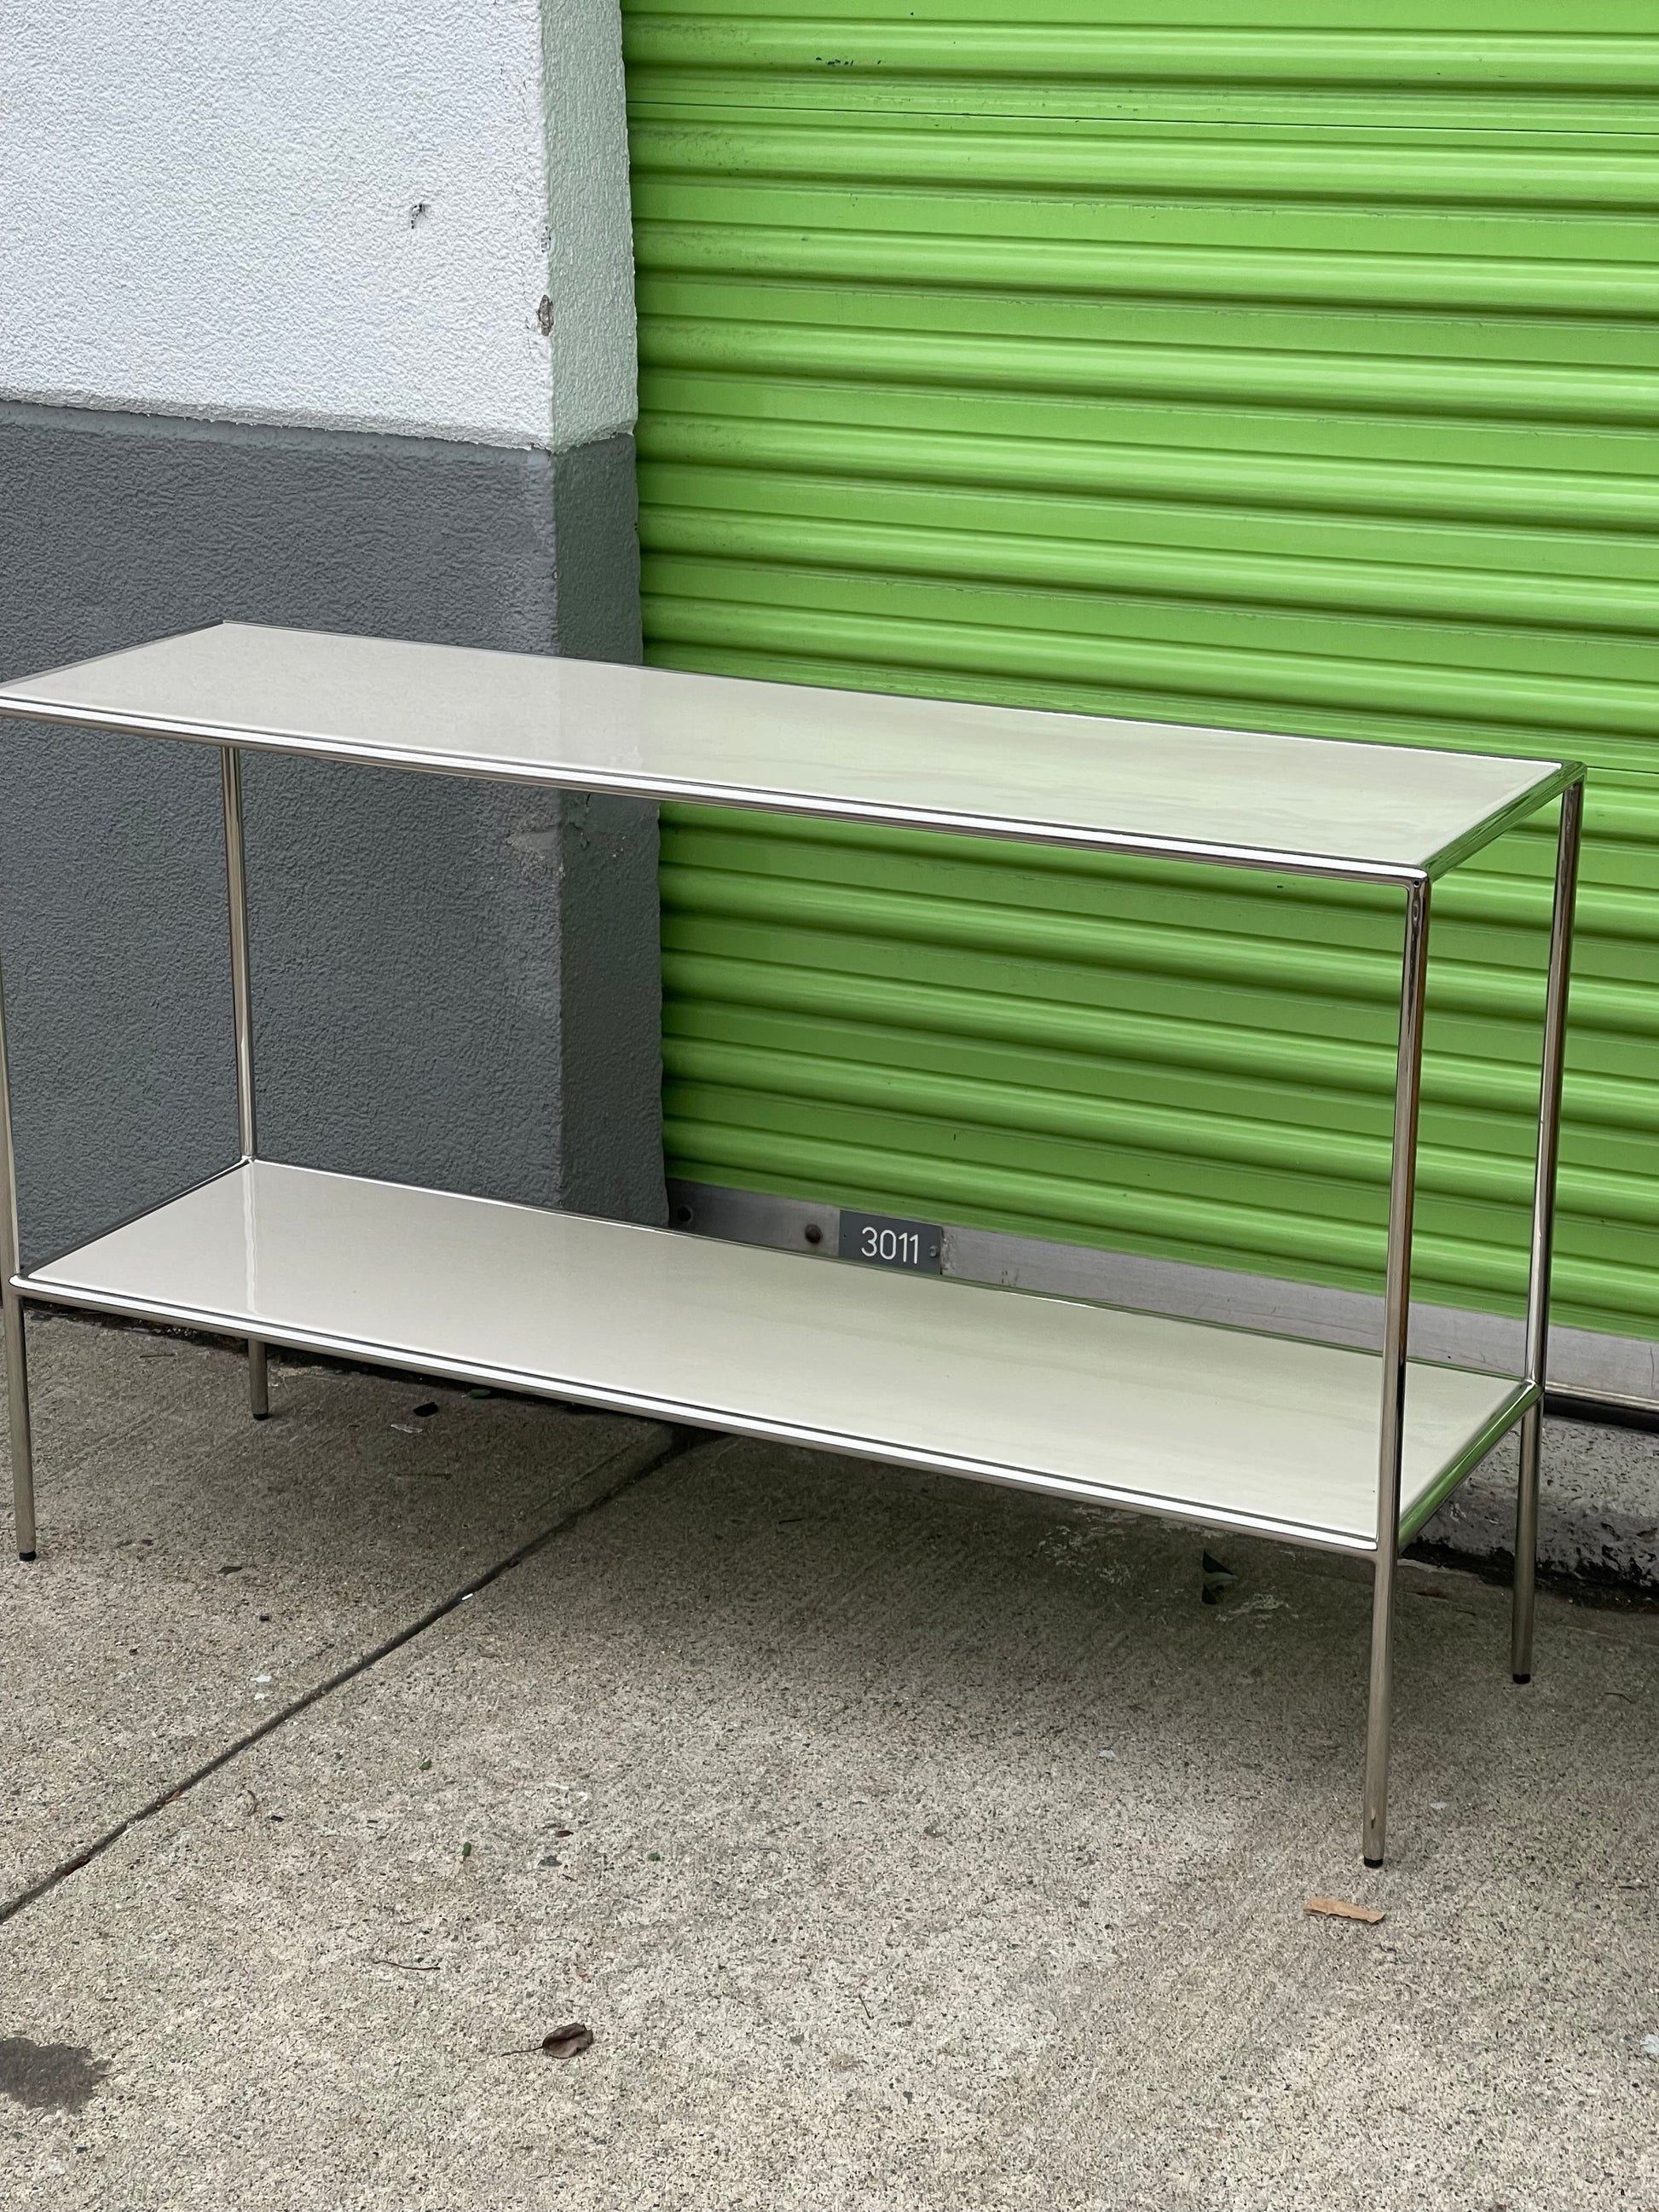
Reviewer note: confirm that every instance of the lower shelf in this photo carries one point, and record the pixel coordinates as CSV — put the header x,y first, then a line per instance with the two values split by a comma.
x,y
1174,1416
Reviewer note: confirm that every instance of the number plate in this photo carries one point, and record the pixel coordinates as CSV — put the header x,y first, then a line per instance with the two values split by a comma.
x,y
882,1241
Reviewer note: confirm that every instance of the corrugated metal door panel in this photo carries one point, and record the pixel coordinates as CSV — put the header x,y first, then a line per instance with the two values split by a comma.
x,y
1292,377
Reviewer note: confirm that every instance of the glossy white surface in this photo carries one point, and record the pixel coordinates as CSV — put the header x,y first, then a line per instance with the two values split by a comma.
x,y
1065,778
1087,1399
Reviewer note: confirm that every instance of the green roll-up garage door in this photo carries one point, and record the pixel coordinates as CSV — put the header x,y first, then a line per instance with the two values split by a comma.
x,y
1265,372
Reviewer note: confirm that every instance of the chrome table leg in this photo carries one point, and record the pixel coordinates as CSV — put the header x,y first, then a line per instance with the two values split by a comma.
x,y
1543,1226
241,993
1403,1189
11,1323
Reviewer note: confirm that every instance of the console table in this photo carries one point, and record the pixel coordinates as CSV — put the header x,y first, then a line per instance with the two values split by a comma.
x,y
1307,1442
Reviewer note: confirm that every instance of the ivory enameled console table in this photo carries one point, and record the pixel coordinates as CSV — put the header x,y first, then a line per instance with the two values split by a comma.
x,y
1308,1443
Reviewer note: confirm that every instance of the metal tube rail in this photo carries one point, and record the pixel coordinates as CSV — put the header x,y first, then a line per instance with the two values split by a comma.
x,y
11,1322
1396,1326
241,991
1543,1226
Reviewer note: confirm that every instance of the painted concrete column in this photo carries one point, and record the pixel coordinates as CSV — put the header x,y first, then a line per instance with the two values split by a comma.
x,y
322,320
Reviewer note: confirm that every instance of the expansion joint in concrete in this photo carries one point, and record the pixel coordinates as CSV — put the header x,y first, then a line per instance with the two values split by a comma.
x,y
614,1474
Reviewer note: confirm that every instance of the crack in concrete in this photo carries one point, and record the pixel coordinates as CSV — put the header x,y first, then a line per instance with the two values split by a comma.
x,y
680,1443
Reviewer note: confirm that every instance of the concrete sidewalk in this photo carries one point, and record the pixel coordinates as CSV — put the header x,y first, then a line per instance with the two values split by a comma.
x,y
904,1844
200,1571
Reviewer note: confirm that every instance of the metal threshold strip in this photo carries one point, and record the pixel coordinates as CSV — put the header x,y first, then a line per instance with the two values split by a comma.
x,y
1215,1426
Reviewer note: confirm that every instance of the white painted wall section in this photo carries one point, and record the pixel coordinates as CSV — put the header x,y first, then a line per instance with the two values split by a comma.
x,y
323,211
590,274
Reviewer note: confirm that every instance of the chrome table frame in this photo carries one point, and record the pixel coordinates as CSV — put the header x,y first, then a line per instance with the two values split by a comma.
x,y
1525,1405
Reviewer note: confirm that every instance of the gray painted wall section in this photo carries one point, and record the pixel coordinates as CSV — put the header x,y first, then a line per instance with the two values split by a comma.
x,y
456,983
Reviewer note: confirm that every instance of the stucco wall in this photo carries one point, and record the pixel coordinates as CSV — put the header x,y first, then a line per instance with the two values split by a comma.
x,y
324,212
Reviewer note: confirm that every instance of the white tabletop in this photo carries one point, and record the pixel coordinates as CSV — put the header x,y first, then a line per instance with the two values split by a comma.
x,y
1305,803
